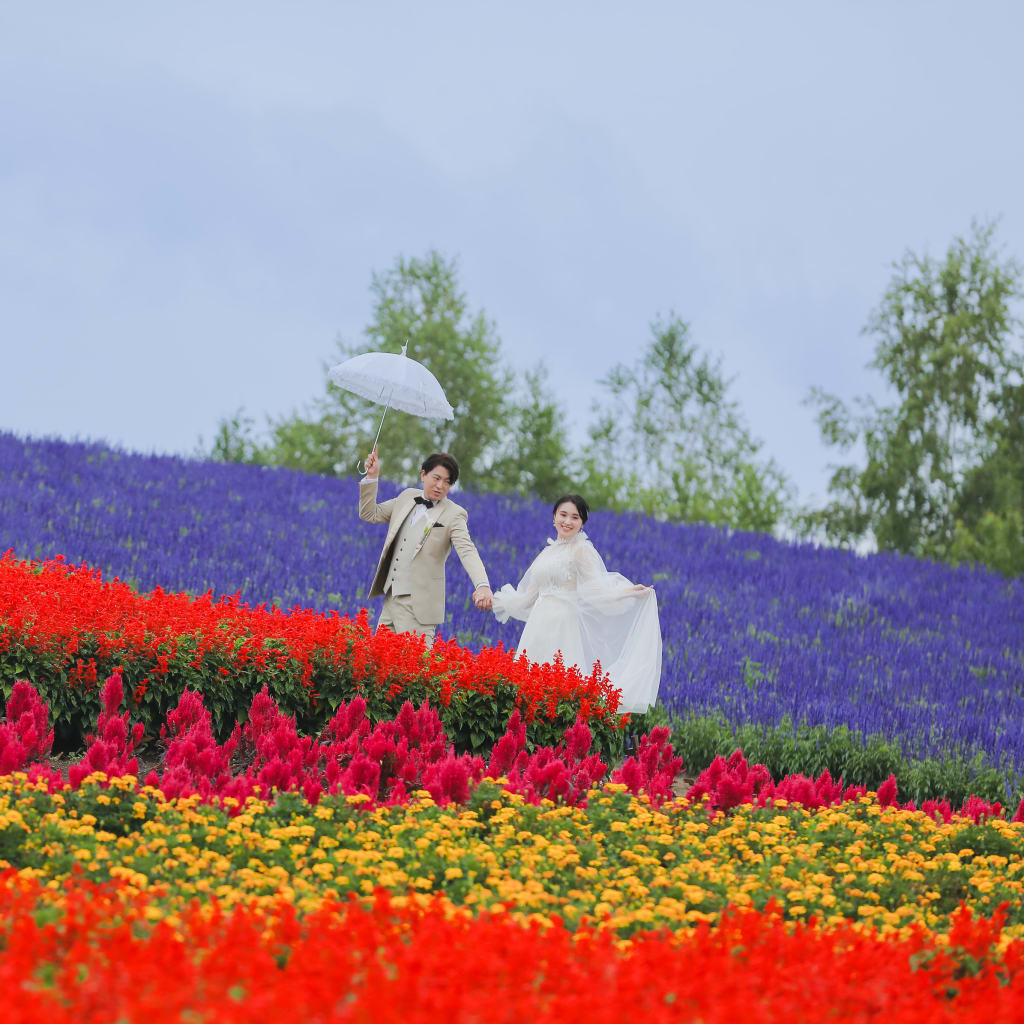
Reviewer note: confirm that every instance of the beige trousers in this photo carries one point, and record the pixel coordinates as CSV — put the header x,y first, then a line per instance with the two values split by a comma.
x,y
397,615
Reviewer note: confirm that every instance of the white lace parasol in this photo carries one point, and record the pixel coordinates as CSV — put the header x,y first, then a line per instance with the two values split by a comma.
x,y
394,381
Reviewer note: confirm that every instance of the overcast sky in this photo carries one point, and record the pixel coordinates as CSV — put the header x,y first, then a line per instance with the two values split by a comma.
x,y
193,196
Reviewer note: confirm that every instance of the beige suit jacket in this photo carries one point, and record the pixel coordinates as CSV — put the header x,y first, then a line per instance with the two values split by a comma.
x,y
445,528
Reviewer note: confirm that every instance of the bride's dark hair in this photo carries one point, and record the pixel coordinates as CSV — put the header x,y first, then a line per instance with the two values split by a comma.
x,y
578,500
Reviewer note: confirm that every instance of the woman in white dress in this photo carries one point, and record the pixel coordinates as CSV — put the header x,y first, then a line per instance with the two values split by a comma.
x,y
572,604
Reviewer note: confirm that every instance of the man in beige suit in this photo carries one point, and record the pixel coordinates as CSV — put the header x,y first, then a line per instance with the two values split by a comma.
x,y
423,526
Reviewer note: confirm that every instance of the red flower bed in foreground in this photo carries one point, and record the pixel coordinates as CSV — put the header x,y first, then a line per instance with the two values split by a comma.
x,y
98,960
84,627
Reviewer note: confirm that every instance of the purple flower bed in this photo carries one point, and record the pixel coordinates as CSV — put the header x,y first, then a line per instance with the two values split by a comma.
x,y
754,629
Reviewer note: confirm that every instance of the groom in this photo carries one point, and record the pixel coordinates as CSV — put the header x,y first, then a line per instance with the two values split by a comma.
x,y
423,526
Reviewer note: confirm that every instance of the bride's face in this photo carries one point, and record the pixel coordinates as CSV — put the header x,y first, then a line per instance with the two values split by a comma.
x,y
567,520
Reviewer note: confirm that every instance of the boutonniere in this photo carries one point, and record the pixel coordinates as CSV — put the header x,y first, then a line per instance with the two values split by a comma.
x,y
427,527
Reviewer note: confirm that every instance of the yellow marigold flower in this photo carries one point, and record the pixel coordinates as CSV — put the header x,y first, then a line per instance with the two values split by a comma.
x,y
700,915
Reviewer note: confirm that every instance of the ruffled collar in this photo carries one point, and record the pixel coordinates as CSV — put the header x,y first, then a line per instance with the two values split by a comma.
x,y
565,541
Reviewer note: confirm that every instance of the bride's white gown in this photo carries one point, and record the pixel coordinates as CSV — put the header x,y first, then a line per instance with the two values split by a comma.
x,y
571,603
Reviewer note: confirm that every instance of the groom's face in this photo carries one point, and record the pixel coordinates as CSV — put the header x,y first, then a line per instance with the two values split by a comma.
x,y
436,483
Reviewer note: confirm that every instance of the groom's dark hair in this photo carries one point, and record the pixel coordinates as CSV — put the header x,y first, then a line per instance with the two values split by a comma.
x,y
442,459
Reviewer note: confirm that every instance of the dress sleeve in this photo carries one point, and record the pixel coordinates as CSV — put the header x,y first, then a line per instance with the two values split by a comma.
x,y
619,628
596,585
517,602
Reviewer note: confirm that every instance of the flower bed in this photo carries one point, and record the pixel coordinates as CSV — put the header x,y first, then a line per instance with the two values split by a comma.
x,y
65,628
399,811
617,863
97,956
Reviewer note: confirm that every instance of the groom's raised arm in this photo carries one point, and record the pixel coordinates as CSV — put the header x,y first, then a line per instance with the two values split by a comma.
x,y
369,510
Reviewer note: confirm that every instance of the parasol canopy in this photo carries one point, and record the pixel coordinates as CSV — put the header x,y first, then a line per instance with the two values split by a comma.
x,y
394,381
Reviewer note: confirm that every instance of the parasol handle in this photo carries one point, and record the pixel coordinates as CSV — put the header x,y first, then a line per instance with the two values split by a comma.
x,y
373,448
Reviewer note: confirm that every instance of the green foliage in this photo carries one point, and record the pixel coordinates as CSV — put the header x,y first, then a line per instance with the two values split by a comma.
x,y
506,437
235,441
789,749
419,301
670,441
532,451
944,465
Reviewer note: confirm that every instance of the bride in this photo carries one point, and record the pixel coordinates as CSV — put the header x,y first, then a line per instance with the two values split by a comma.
x,y
571,603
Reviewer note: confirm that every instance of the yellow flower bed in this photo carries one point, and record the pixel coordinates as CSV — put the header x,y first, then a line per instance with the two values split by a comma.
x,y
618,862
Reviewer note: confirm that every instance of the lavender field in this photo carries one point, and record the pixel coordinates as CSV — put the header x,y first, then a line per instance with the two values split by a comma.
x,y
755,630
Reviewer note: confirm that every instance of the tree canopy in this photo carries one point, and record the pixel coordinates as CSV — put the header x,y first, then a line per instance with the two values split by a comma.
x,y
506,434
943,475
669,440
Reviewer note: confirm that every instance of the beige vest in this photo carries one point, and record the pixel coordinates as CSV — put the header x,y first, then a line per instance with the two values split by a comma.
x,y
399,581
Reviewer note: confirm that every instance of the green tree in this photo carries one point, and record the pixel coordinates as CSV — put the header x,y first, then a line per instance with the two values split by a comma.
x,y
533,455
669,440
418,301
944,467
235,440
990,506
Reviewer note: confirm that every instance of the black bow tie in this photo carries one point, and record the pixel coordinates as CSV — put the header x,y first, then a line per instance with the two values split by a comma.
x,y
423,501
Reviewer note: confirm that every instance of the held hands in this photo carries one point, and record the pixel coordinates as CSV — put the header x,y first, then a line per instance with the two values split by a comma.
x,y
483,598
372,465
